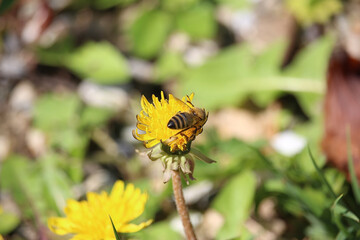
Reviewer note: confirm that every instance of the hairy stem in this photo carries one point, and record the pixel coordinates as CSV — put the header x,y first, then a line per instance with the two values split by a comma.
x,y
181,206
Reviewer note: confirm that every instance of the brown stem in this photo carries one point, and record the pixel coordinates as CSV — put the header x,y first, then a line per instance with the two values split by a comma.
x,y
181,206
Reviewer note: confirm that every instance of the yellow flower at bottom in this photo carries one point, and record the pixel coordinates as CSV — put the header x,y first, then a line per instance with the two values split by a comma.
x,y
90,219
154,118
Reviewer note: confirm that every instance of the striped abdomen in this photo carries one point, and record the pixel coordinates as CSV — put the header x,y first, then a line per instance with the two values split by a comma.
x,y
181,120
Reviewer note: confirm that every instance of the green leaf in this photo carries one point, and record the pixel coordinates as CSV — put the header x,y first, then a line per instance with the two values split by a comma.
x,y
266,65
239,156
318,228
239,72
20,178
308,12
56,54
234,203
177,5
149,32
169,65
341,236
275,185
114,229
94,116
321,174
219,71
354,180
310,65
313,132
75,169
158,231
339,209
56,186
70,140
104,4
337,212
100,62
17,177
38,187
8,222
198,22
336,179
5,5
57,115
55,111
311,199
236,4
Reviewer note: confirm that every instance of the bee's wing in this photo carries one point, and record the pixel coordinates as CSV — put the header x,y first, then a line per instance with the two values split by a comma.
x,y
188,104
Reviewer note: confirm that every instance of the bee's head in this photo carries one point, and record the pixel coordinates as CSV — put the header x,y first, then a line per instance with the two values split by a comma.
x,y
201,113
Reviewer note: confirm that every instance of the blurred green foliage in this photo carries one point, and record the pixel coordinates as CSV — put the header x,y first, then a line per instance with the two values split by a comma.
x,y
197,22
169,65
238,70
5,5
39,187
310,197
160,231
238,196
104,4
8,222
236,4
314,11
243,73
149,33
99,62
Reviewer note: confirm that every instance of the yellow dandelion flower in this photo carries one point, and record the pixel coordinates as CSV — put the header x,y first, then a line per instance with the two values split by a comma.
x,y
1,237
89,220
173,122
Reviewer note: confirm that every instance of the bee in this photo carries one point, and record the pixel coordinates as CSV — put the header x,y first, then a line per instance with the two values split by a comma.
x,y
194,118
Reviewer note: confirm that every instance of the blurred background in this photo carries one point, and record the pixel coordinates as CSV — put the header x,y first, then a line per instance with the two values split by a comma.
x,y
72,73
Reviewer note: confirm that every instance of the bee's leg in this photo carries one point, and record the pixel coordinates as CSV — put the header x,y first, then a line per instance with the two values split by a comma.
x,y
183,135
170,140
198,129
189,138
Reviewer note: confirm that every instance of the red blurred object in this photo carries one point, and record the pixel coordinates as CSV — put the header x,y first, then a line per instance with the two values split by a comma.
x,y
342,110
37,23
